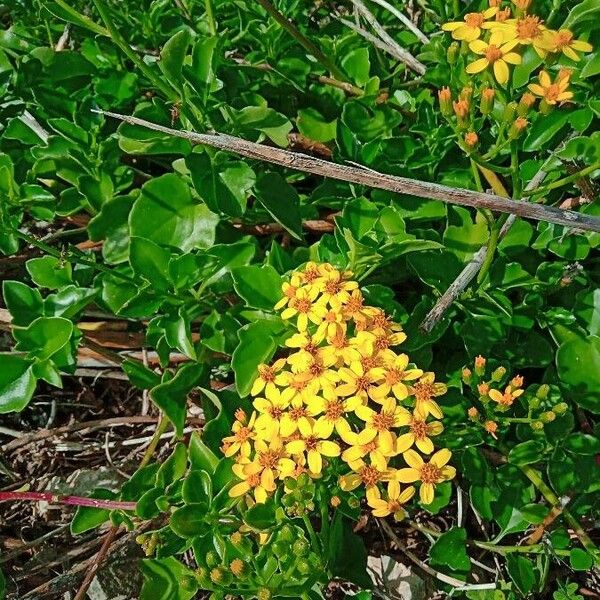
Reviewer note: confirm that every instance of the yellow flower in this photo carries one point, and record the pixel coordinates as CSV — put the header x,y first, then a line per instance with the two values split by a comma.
x,y
419,435
379,322
271,410
495,56
301,384
314,445
333,325
291,419
270,461
308,348
396,498
395,374
551,92
507,398
389,417
470,29
526,30
321,376
429,474
243,434
312,273
304,305
424,391
365,474
340,351
355,308
335,291
267,377
563,41
251,481
332,411
366,442
358,382
289,291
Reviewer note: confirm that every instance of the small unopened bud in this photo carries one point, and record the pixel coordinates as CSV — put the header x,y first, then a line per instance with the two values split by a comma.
x,y
483,389
522,5
466,375
471,140
534,403
561,408
300,547
212,559
486,104
445,99
564,74
495,3
453,51
237,567
543,391
473,413
241,416
545,108
353,502
537,425
498,374
263,594
202,574
461,110
503,15
236,538
517,381
217,575
547,417
526,102
517,128
335,501
491,427
480,363
510,111
466,94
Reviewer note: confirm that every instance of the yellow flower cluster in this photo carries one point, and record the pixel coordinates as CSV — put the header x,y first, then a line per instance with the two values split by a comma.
x,y
496,35
341,392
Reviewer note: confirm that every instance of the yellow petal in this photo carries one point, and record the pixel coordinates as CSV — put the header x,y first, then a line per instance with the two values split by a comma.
x,y
393,489
413,459
501,72
404,442
315,461
407,475
477,66
426,492
581,46
441,457
513,58
328,448
478,46
239,489
295,447
544,79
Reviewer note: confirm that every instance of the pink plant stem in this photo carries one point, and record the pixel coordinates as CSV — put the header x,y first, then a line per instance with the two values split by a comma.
x,y
69,500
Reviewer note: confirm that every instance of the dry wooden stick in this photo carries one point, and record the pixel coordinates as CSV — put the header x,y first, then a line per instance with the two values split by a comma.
x,y
409,24
374,179
405,56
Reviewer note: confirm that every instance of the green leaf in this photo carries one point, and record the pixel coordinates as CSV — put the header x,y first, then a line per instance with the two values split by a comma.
x,y
17,383
174,468
150,261
87,518
450,550
139,375
189,520
578,365
526,453
544,129
167,579
25,304
201,73
522,573
529,63
166,214
49,271
257,345
266,121
60,9
44,337
197,487
171,396
347,555
360,216
173,55
222,182
261,516
259,287
357,64
583,16
200,455
312,124
582,443
281,201
580,560
178,333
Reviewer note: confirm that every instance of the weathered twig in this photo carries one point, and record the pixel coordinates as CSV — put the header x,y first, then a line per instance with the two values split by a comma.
x,y
459,285
404,55
374,179
66,500
405,20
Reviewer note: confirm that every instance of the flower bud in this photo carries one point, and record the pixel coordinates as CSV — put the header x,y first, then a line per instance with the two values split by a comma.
x,y
510,110
561,408
522,5
335,501
534,403
473,413
471,140
526,102
495,3
517,128
547,417
466,375
353,502
264,594
453,51
461,110
241,416
483,389
486,104
498,374
543,391
517,381
300,547
480,363
236,538
466,94
537,425
445,99
286,534
212,559
503,15
237,567
545,108
303,567
218,575
491,427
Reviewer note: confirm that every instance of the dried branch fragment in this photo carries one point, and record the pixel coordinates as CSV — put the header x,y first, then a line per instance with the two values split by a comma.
x,y
374,179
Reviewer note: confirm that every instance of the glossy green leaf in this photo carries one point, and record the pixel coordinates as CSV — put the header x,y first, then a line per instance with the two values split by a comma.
x,y
17,382
24,303
260,287
44,337
450,550
50,272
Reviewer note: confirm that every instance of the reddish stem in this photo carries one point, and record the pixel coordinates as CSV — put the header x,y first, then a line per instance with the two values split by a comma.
x,y
70,500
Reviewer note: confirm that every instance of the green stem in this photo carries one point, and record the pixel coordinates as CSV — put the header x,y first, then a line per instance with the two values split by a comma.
x,y
516,420
324,525
311,534
534,549
491,251
476,175
488,165
303,40
160,429
564,181
70,257
210,16
514,165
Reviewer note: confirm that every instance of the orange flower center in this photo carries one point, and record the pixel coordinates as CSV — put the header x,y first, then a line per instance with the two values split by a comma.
x,y
424,391
290,291
369,362
302,305
311,442
419,429
383,421
382,342
297,413
331,316
474,19
339,342
381,320
394,376
275,412
333,287
430,473
243,434
362,383
316,369
370,447
334,410
528,28
269,459
369,476
311,347
266,373
253,480
507,399
563,39
310,275
354,304
493,53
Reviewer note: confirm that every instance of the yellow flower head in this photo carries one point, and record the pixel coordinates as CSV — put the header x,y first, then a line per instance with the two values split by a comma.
x,y
552,92
564,41
395,374
419,435
394,504
496,56
304,306
471,27
314,444
507,398
424,391
526,30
